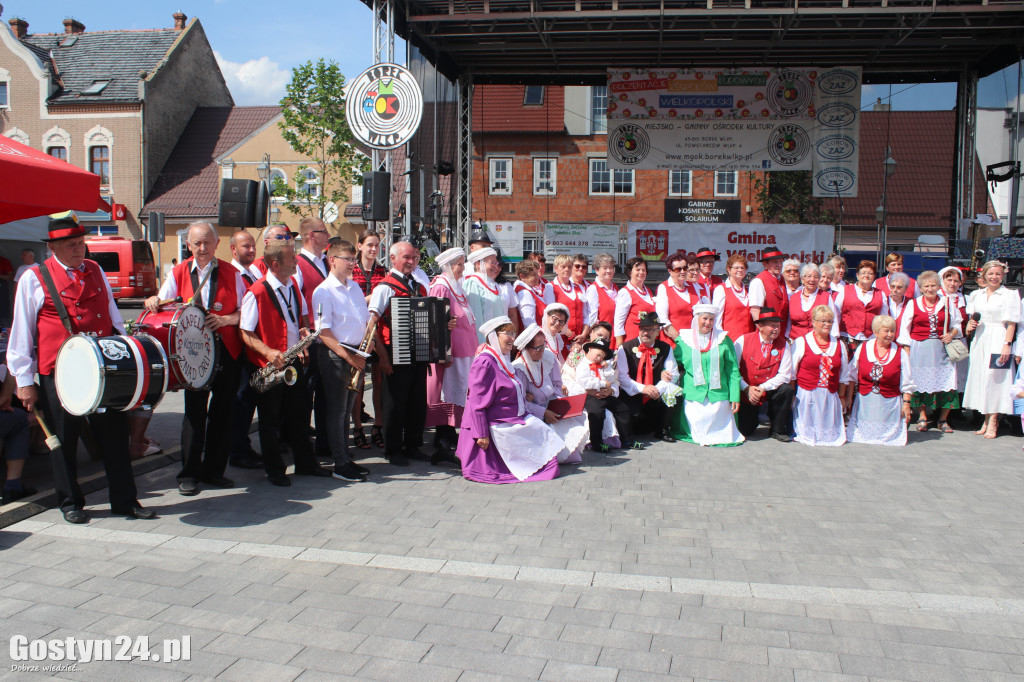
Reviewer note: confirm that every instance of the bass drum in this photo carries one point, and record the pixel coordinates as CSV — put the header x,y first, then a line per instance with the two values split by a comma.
x,y
191,348
110,373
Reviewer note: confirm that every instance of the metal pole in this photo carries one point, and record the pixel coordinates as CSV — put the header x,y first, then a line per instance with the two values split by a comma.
x,y
1014,156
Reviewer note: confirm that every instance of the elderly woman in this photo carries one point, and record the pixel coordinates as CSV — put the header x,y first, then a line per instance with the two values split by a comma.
x,y
500,441
898,283
929,323
573,296
537,370
602,291
533,292
732,300
632,299
990,372
710,378
807,299
858,304
839,268
791,276
675,298
485,296
558,342
952,280
883,380
828,272
893,265
447,384
822,370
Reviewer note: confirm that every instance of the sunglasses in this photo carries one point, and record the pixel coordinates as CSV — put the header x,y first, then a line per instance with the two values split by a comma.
x,y
678,270
579,267
287,237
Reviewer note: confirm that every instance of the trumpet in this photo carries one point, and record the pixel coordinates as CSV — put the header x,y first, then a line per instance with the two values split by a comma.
x,y
267,377
356,374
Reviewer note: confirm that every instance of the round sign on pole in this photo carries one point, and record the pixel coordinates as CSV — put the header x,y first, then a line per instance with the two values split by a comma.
x,y
384,106
329,213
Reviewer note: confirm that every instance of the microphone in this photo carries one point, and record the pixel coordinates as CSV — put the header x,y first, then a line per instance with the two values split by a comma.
x,y
976,317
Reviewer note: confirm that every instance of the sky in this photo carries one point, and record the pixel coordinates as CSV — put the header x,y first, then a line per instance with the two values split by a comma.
x,y
258,42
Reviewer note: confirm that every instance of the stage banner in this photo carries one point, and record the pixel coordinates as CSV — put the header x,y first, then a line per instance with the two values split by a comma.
x,y
654,241
507,236
738,119
589,239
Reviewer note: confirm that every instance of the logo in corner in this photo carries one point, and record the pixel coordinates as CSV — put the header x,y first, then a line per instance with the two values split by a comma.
x,y
629,144
113,350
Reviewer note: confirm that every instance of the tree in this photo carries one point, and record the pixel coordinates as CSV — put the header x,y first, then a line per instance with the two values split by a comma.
x,y
788,197
315,126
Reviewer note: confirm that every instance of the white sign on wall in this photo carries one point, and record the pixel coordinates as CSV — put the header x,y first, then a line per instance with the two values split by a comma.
x,y
589,239
507,236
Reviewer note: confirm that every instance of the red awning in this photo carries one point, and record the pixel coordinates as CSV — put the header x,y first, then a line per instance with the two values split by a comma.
x,y
35,184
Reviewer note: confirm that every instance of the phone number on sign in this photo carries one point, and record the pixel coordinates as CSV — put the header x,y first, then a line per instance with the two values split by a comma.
x,y
570,242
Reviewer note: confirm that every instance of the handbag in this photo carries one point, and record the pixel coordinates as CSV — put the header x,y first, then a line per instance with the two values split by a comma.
x,y
955,349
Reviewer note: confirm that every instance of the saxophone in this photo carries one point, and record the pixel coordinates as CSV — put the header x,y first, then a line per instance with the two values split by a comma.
x,y
267,377
356,374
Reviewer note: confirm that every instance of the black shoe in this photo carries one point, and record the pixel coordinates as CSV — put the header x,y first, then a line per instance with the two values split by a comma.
x,y
247,463
667,437
219,481
279,480
782,438
348,473
398,461
15,495
361,469
188,487
134,512
319,472
418,455
445,456
75,516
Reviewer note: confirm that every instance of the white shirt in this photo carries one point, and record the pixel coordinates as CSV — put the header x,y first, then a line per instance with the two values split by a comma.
x,y
528,304
420,276
380,297
21,355
508,294
169,289
633,387
785,374
594,300
757,292
624,303
251,270
286,297
343,310
588,382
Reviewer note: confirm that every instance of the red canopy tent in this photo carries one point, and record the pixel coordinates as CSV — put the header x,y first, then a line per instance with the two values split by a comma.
x,y
33,184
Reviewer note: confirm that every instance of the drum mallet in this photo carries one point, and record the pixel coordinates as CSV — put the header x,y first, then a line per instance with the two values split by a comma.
x,y
52,441
161,304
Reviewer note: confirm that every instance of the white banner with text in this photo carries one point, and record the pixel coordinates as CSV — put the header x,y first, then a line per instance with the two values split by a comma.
x,y
589,239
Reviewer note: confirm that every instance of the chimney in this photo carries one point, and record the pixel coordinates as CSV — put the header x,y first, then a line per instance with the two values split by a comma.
x,y
180,19
19,26
73,26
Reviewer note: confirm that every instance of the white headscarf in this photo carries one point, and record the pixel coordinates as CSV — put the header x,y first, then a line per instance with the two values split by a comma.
x,y
540,370
696,341
445,260
552,343
477,256
490,331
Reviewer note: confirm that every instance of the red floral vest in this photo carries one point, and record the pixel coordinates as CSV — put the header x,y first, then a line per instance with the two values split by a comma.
x,y
808,372
920,330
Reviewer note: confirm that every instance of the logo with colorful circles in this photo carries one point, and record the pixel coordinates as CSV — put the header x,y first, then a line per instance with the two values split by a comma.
x,y
629,144
384,106
788,144
789,92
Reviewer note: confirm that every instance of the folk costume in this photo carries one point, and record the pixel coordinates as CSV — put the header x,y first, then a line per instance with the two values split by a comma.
x,y
769,291
675,305
629,303
485,296
934,373
533,300
447,385
817,409
876,417
574,297
800,307
767,365
733,310
857,310
640,365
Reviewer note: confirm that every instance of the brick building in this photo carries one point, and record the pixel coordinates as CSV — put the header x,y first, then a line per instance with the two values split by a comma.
x,y
112,102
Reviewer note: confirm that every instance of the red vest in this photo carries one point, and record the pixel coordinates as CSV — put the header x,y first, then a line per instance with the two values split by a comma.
x,y
889,384
606,304
87,305
576,322
637,305
808,372
225,295
680,311
538,301
736,320
706,286
311,279
800,321
775,295
271,326
261,265
754,367
919,327
882,284
855,317
401,292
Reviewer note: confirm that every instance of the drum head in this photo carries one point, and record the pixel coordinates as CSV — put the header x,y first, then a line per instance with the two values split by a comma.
x,y
78,375
193,348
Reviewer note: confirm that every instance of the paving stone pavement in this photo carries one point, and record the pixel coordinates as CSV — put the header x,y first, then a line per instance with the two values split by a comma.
x,y
762,562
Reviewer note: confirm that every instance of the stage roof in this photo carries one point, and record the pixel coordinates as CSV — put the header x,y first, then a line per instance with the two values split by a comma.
x,y
574,41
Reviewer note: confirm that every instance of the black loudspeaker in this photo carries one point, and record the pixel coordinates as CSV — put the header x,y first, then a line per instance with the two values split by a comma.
x,y
262,205
376,195
238,203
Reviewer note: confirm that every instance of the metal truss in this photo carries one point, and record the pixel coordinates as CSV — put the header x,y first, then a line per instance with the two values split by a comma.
x,y
464,222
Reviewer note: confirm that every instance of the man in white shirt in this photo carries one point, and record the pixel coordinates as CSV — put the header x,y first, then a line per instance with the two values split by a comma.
x,y
243,257
342,326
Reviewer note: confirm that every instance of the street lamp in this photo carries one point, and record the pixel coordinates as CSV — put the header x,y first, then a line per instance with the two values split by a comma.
x,y
881,213
263,169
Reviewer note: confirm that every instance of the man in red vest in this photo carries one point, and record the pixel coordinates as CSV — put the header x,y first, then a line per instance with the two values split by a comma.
x,y
767,289
206,428
766,370
312,270
273,320
243,254
85,299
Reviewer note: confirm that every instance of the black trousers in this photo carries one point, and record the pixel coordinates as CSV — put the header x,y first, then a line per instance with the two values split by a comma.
x,y
111,432
315,387
779,404
405,408
335,372
290,404
647,417
595,408
206,428
242,412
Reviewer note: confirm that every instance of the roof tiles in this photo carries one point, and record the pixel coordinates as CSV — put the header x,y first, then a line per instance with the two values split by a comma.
x,y
500,108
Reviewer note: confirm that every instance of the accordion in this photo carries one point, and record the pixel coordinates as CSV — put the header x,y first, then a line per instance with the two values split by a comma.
x,y
419,330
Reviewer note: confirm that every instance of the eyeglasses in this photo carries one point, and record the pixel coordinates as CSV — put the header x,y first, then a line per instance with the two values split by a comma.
x,y
678,270
695,268
508,333
537,347
283,236
319,232
349,259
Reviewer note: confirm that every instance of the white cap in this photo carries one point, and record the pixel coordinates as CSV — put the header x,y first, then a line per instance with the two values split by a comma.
x,y
529,334
557,307
490,325
943,271
705,309
449,256
480,254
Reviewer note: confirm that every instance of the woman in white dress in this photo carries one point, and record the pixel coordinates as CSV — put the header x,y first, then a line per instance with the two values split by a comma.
x,y
823,379
952,282
884,383
929,323
538,371
990,373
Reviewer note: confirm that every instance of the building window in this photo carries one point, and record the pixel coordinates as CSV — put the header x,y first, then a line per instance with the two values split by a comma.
x,y
4,100
277,179
725,183
599,109
607,181
545,172
679,183
534,96
309,183
58,152
501,176
99,163
96,88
